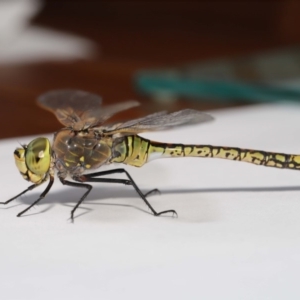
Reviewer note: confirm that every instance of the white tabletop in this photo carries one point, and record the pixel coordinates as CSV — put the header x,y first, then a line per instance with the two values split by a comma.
x,y
237,235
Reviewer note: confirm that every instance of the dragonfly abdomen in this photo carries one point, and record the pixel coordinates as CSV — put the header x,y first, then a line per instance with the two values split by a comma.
x,y
136,151
258,157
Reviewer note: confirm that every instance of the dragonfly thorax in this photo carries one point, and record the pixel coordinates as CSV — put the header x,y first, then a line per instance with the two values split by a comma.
x,y
76,151
33,161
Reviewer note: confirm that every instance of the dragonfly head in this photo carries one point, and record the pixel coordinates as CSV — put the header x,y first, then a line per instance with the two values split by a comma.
x,y
33,160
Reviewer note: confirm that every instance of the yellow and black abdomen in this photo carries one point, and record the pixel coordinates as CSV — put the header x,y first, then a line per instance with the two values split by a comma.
x,y
131,150
80,149
136,151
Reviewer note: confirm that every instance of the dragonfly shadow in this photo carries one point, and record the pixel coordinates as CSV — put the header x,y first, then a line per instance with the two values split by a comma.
x,y
87,210
69,197
234,190
103,193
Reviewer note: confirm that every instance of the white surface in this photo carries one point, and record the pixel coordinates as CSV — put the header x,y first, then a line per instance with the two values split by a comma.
x,y
237,235
24,43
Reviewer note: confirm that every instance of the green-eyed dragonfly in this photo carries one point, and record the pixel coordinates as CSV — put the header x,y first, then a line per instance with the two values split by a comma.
x,y
85,144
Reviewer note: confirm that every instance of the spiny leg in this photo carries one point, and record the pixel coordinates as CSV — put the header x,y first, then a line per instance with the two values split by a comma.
x,y
152,192
15,197
45,192
80,185
29,189
91,178
89,187
128,182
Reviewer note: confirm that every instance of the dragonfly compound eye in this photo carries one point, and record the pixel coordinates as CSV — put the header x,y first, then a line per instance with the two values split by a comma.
x,y
38,156
33,161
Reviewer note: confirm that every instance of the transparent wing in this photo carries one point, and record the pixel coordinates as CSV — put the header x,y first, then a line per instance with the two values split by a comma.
x,y
79,109
160,120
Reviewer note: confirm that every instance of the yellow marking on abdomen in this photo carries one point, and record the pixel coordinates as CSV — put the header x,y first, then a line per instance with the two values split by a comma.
x,y
136,151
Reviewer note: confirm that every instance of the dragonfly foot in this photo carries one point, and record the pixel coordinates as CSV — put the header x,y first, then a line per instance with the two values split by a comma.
x,y
152,192
72,216
174,213
24,211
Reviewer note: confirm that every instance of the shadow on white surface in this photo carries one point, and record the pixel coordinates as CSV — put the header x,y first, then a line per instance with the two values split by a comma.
x,y
70,196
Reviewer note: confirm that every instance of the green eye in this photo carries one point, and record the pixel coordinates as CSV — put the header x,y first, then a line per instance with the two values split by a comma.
x,y
38,156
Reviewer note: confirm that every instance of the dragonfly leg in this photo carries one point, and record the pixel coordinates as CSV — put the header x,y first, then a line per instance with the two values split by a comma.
x,y
29,189
126,182
45,192
15,197
129,181
79,185
152,192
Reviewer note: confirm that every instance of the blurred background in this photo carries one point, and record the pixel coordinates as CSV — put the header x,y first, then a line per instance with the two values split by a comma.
x,y
167,55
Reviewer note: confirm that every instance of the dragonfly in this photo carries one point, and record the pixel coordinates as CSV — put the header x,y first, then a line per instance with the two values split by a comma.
x,y
85,143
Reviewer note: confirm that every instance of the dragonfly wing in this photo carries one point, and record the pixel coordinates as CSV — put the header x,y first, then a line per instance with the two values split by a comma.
x,y
71,107
79,109
110,110
161,120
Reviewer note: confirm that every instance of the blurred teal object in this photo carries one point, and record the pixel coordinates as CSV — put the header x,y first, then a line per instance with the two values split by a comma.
x,y
260,78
